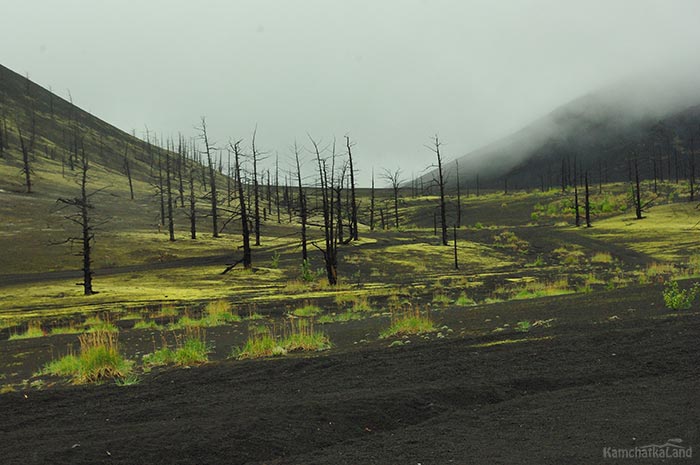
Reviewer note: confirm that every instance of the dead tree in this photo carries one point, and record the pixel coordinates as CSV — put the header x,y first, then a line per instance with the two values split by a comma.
x,y
638,207
691,176
26,169
353,200
81,215
330,251
587,204
338,191
247,258
180,163
169,191
212,179
395,180
459,196
302,205
127,170
576,205
454,235
277,188
192,215
371,204
435,148
256,189
160,190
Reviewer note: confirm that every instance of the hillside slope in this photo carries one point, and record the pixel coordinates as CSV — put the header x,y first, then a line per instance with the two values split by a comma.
x,y
650,117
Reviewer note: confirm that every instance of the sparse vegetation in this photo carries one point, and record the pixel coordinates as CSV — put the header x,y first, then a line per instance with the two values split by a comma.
x,y
190,349
33,330
301,336
408,322
99,360
676,298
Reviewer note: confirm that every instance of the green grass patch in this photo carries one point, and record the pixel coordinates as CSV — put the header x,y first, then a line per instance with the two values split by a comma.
x,y
33,330
308,311
301,336
441,299
71,329
191,349
408,322
148,325
464,300
99,360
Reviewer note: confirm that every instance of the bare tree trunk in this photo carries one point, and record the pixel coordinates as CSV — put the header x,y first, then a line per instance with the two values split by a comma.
x,y
302,206
247,254
588,204
441,185
26,169
277,188
330,250
212,180
691,178
638,195
171,225
193,203
127,170
256,193
459,197
371,205
87,233
353,199
180,162
161,193
576,205
454,235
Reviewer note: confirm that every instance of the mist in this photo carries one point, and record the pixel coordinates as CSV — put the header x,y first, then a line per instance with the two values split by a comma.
x,y
390,75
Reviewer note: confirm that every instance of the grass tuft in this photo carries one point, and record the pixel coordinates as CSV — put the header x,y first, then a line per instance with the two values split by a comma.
x,y
33,330
408,322
99,360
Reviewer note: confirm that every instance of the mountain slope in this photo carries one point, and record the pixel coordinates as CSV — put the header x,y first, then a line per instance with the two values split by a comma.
x,y
650,117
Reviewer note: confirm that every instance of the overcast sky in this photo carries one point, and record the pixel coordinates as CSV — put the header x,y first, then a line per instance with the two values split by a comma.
x,y
389,73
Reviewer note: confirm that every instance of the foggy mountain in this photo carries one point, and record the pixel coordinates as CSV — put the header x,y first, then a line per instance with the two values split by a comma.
x,y
650,117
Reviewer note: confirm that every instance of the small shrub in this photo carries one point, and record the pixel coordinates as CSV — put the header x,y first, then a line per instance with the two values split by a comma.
x,y
676,298
275,261
307,274
523,326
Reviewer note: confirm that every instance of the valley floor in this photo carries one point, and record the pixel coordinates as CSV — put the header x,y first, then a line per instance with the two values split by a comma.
x,y
554,395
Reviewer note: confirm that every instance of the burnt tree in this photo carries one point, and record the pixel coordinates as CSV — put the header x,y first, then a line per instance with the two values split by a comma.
x,y
435,148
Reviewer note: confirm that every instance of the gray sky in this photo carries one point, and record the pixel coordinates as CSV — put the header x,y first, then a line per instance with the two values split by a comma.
x,y
390,73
